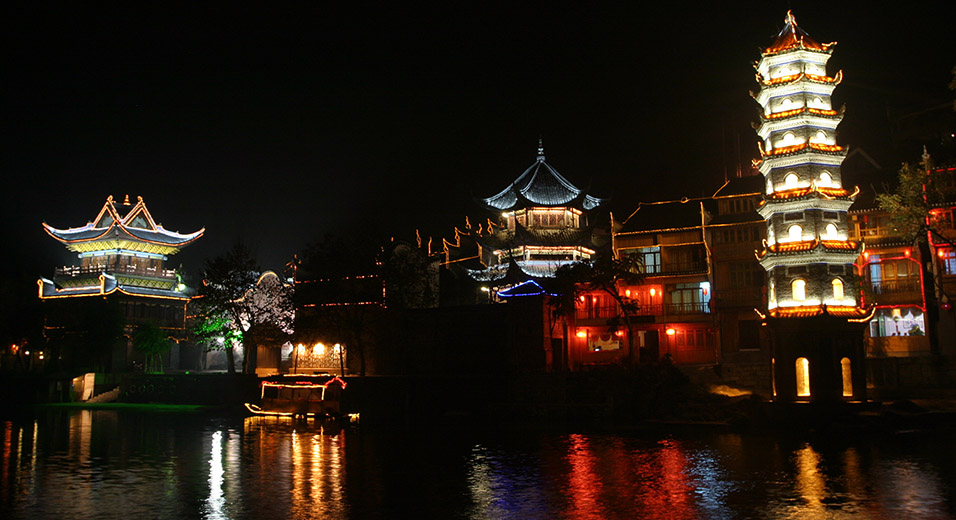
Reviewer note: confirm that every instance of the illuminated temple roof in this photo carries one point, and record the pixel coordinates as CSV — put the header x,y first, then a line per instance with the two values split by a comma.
x,y
793,37
123,226
541,185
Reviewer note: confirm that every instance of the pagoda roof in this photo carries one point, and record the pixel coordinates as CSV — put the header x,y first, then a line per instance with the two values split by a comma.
x,y
527,288
541,185
128,225
104,285
793,37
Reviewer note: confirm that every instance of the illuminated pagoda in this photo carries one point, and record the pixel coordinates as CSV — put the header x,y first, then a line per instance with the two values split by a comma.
x,y
543,223
122,254
814,306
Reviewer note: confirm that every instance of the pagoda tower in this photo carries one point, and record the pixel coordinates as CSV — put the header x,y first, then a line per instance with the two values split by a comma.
x,y
814,305
121,276
543,222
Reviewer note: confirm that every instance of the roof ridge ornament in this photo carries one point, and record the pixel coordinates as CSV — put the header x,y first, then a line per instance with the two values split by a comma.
x,y
540,150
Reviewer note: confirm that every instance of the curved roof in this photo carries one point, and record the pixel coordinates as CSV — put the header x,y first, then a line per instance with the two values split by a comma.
x,y
541,185
126,222
793,37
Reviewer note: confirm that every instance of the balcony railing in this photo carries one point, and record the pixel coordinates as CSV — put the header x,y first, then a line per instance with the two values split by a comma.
x,y
149,272
687,308
896,286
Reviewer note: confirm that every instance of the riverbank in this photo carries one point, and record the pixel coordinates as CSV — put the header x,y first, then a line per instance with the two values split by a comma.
x,y
611,400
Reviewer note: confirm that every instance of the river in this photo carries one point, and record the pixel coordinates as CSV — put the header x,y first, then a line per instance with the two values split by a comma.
x,y
134,464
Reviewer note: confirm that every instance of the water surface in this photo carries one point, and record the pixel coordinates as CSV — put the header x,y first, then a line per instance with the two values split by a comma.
x,y
137,464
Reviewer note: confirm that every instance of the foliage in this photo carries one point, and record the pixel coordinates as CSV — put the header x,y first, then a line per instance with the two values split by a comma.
x,y
919,189
151,340
216,332
601,274
235,301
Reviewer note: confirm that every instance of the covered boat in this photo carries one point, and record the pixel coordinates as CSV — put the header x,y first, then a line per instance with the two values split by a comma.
x,y
300,395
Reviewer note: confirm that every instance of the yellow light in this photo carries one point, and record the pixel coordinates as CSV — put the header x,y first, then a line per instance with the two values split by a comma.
x,y
627,293
318,349
582,334
671,332
653,292
301,348
337,348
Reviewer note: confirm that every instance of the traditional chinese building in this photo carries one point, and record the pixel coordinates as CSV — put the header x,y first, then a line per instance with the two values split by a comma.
x,y
543,222
121,280
814,300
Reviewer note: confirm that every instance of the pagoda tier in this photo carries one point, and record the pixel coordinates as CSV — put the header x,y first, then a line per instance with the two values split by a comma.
x,y
122,250
123,227
809,258
542,225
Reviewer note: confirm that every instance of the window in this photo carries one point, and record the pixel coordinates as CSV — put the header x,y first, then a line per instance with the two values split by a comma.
x,y
847,377
648,257
831,232
795,233
897,321
837,288
831,215
798,290
790,181
690,298
803,377
746,274
947,260
789,217
825,179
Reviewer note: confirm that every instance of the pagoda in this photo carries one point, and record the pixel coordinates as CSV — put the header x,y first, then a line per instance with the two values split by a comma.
x,y
814,305
122,254
543,222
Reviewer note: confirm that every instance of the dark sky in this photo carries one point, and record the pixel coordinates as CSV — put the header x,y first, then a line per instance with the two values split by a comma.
x,y
278,125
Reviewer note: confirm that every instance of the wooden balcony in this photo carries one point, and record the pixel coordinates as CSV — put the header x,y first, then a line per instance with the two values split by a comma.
x,y
889,292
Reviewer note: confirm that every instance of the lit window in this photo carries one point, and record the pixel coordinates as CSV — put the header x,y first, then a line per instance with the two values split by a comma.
x,y
798,289
847,377
788,139
790,181
795,233
803,377
838,288
831,232
825,179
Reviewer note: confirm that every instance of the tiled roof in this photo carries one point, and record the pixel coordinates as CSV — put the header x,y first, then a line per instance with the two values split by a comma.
x,y
541,185
792,37
123,221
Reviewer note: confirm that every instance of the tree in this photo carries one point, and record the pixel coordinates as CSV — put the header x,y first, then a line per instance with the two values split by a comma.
x,y
601,274
226,278
216,332
919,190
153,343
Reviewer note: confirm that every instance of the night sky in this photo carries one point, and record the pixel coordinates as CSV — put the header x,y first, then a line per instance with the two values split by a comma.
x,y
279,125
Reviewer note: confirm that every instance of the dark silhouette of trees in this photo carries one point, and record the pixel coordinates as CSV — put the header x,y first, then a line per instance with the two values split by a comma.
x,y
602,274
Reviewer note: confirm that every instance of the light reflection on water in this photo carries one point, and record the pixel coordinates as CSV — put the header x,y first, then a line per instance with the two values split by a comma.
x,y
110,464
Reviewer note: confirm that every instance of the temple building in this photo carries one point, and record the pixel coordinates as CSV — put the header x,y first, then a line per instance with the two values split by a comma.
x,y
814,306
121,281
543,222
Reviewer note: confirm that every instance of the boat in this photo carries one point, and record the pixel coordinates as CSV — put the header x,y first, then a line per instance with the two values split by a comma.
x,y
297,395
